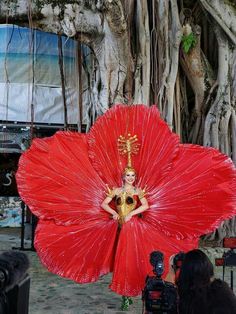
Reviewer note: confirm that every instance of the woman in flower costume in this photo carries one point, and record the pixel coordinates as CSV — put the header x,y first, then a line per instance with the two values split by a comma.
x,y
189,190
128,199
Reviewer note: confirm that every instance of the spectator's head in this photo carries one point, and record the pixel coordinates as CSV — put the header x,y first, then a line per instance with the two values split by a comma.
x,y
196,270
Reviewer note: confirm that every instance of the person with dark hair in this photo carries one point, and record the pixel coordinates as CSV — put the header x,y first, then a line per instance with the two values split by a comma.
x,y
199,291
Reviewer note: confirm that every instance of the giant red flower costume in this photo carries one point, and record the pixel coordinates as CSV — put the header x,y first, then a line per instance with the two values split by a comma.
x,y
190,190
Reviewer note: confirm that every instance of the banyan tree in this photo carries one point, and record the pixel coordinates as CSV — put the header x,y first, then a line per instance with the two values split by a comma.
x,y
179,55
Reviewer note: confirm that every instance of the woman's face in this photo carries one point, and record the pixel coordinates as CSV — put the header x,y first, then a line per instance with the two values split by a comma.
x,y
129,177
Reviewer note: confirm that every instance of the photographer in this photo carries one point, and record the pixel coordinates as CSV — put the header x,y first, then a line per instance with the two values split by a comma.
x,y
199,292
14,283
159,296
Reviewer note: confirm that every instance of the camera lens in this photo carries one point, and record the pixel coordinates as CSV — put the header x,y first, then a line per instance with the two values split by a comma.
x,y
2,279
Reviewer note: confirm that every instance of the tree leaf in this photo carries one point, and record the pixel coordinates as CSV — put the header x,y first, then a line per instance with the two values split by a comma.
x,y
188,42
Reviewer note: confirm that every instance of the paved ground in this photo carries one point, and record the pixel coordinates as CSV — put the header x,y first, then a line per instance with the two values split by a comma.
x,y
50,294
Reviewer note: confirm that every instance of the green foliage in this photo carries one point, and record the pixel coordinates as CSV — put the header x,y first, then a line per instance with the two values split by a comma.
x,y
188,42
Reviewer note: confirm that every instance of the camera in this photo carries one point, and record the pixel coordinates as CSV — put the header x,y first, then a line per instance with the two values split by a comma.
x,y
14,283
159,296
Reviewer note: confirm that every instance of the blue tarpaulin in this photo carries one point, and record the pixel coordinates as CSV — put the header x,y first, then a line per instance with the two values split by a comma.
x,y
30,80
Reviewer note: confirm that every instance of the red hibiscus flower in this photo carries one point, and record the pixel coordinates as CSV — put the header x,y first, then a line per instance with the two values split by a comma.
x,y
190,190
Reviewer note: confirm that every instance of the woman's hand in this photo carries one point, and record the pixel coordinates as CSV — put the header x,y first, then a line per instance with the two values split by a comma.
x,y
115,216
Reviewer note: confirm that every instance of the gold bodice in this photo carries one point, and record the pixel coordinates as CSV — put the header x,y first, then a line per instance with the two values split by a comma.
x,y
125,203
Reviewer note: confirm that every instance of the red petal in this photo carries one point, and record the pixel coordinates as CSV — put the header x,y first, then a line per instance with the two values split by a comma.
x,y
158,145
56,179
196,196
82,254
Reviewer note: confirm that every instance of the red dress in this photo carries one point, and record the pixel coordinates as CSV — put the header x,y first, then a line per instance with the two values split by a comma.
x,y
189,189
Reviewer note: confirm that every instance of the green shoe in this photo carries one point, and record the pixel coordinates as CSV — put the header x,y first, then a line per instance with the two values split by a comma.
x,y
130,300
125,303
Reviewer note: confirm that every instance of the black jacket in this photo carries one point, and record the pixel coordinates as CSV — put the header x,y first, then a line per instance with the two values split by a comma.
x,y
217,298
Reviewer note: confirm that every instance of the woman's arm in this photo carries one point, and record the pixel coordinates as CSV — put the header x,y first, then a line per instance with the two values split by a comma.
x,y
108,209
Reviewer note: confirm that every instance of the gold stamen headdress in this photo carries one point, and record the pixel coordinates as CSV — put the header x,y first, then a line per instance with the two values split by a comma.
x,y
128,146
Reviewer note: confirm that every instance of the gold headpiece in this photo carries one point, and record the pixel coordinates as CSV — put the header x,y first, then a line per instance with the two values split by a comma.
x,y
128,146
